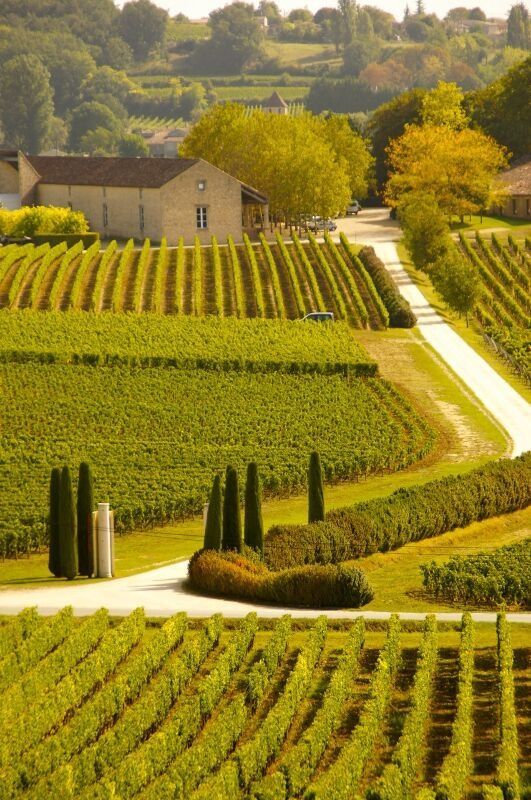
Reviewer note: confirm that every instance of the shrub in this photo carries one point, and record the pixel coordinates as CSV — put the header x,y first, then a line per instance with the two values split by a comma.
x,y
232,575
316,507
412,514
31,220
400,313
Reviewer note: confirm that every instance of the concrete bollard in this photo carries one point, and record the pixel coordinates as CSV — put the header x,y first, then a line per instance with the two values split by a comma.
x,y
104,564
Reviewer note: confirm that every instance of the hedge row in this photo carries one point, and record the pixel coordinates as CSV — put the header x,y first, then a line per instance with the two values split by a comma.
x,y
151,708
99,712
47,637
53,668
458,764
419,512
501,576
72,690
340,781
250,759
353,369
229,574
155,754
298,766
400,313
507,768
399,776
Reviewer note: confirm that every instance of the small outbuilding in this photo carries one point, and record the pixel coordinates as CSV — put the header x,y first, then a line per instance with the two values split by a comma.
x,y
275,105
517,183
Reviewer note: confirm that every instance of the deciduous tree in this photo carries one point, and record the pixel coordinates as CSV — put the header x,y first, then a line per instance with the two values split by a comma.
x,y
457,281
443,106
143,26
26,103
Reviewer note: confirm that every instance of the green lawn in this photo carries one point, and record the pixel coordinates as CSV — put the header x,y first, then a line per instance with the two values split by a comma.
x,y
475,221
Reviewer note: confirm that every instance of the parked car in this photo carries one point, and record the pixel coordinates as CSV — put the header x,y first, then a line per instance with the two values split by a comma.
x,y
319,316
320,224
353,209
5,240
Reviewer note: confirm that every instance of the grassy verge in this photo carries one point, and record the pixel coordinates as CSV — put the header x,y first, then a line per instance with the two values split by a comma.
x,y
471,334
487,222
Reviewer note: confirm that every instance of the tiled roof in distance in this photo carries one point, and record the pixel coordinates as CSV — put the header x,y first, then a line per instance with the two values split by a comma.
x,y
145,173
517,179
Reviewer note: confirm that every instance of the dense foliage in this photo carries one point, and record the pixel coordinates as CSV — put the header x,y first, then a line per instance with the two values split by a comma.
x,y
156,428
487,579
279,281
185,709
230,574
398,309
412,514
31,220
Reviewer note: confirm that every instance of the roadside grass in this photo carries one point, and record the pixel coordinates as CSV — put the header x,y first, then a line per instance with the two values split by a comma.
x,y
396,577
471,334
467,438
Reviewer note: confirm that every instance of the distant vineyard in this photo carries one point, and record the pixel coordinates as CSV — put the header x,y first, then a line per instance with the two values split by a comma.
x,y
155,123
95,710
281,280
504,308
295,109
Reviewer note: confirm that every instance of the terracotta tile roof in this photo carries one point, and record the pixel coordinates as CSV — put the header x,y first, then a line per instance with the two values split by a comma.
x,y
275,101
145,173
517,179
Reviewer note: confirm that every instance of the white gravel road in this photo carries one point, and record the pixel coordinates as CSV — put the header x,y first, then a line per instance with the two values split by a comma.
x,y
163,591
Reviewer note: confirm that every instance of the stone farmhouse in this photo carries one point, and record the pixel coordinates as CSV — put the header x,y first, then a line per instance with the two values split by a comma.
x,y
517,183
138,197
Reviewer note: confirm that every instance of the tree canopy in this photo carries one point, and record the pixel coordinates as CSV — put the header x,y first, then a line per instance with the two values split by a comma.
x,y
26,103
305,165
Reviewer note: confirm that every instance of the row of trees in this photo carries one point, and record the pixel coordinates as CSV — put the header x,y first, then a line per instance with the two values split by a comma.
x,y
70,524
223,528
305,164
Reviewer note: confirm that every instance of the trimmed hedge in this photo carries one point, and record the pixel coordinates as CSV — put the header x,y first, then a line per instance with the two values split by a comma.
x,y
400,313
231,575
419,512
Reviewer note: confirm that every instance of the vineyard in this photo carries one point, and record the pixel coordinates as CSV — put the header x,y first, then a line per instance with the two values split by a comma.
x,y
504,309
280,280
94,709
158,405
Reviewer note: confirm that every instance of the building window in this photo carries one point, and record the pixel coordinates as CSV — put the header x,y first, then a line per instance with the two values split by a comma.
x,y
105,215
201,218
515,209
201,185
141,217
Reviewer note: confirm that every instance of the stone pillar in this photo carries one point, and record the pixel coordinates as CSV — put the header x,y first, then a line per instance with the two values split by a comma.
x,y
104,562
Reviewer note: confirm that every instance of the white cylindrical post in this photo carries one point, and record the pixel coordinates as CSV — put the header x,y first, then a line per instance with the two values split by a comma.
x,y
104,541
205,515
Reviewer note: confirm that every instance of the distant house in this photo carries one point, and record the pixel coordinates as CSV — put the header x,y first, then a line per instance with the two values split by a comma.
x,y
262,21
493,28
139,197
165,143
275,105
9,192
517,183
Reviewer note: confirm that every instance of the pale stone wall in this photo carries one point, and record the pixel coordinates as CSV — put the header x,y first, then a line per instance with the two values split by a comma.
x,y
28,179
221,197
518,206
123,208
8,178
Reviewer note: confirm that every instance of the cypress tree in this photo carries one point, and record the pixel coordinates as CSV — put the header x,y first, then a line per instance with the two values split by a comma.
x,y
253,526
316,507
214,524
85,507
67,526
232,524
54,555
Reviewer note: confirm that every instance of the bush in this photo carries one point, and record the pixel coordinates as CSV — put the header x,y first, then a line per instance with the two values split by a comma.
x,y
31,220
232,575
419,512
400,313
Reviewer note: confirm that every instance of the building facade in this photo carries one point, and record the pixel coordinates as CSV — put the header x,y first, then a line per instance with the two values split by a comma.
x,y
142,197
517,183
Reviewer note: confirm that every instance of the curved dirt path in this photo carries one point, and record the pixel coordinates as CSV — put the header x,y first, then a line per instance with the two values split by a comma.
x,y
507,407
163,591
